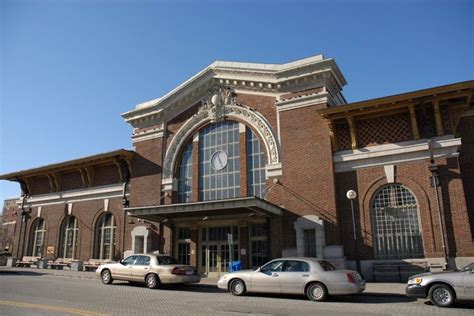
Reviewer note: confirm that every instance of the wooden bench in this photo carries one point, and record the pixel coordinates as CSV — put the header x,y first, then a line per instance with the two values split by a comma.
x,y
400,271
60,263
92,264
27,261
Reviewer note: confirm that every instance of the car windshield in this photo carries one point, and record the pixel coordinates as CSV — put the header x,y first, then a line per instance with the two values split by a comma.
x,y
326,266
469,267
167,260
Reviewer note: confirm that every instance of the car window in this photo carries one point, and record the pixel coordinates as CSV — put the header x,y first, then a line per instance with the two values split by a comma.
x,y
167,260
143,261
273,266
295,266
326,265
469,267
129,260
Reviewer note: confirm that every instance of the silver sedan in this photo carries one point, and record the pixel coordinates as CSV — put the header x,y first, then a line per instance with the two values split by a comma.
x,y
443,288
153,270
317,279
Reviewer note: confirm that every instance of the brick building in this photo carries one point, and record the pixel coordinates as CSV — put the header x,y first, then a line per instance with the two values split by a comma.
x,y
253,161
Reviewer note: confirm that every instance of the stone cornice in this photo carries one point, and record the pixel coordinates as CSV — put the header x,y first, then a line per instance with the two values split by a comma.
x,y
443,147
275,78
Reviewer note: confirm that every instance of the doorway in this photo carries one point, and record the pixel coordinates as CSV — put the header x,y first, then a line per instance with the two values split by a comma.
x,y
216,254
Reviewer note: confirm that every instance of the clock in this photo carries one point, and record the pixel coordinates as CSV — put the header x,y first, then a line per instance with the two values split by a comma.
x,y
219,160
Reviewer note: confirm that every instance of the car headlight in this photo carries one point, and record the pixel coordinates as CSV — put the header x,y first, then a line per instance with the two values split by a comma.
x,y
415,281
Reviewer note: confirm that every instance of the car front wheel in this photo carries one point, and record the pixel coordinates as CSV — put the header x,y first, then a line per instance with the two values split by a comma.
x,y
317,292
441,295
237,287
106,277
152,281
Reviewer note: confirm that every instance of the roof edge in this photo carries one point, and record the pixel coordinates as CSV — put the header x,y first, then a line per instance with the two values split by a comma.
x,y
121,153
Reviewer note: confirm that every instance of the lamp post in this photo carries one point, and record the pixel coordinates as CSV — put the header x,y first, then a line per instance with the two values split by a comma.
x,y
351,195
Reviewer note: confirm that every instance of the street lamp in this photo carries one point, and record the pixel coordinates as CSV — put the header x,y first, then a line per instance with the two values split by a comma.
x,y
351,195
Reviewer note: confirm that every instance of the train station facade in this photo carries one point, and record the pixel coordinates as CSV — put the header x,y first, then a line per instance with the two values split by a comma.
x,y
250,162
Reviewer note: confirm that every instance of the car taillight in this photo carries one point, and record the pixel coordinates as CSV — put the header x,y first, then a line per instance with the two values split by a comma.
x,y
178,271
350,278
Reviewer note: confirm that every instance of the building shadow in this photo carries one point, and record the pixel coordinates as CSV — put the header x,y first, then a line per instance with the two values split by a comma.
x,y
16,272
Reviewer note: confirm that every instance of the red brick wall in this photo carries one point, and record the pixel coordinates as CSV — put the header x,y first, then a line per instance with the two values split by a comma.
x,y
86,213
307,185
415,176
145,182
466,161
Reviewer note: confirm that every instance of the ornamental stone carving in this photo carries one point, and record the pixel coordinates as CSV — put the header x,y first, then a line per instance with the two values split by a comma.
x,y
216,100
219,104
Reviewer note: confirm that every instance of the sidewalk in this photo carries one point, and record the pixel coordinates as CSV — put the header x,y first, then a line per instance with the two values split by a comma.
x,y
376,289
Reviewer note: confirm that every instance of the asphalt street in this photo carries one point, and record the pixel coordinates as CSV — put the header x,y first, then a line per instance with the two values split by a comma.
x,y
34,293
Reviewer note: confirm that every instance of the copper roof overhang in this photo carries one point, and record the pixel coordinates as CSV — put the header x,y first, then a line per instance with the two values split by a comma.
x,y
456,90
220,208
70,164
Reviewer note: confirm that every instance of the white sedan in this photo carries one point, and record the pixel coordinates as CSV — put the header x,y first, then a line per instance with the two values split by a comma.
x,y
317,279
153,270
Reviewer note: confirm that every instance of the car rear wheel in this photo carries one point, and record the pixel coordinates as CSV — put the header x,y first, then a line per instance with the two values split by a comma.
x,y
441,295
237,287
317,292
152,281
106,276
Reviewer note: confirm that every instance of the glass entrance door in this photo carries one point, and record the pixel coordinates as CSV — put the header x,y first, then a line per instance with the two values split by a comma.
x,y
215,251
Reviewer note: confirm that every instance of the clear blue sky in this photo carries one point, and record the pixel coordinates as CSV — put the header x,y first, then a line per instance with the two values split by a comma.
x,y
69,68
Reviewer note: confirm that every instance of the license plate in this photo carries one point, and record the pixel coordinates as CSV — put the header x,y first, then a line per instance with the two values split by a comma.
x,y
189,271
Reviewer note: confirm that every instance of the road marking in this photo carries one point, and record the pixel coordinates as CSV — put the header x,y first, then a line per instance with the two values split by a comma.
x,y
50,308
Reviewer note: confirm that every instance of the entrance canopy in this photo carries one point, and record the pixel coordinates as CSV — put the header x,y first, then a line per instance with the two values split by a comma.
x,y
237,207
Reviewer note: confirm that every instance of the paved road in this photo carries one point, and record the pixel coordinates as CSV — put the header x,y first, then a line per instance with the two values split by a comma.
x,y
33,293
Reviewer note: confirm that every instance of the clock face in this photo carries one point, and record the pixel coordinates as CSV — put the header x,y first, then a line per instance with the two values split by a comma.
x,y
219,160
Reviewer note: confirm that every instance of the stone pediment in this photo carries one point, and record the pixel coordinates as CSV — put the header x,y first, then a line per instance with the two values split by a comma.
x,y
268,79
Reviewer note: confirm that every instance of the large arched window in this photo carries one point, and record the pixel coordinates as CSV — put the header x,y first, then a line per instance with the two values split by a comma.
x,y
396,225
219,163
105,237
69,237
38,231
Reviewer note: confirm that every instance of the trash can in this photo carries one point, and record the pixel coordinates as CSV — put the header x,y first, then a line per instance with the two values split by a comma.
x,y
11,262
234,266
42,264
77,265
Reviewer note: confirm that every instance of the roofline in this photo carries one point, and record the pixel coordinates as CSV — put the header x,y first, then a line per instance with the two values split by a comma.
x,y
13,176
276,72
417,94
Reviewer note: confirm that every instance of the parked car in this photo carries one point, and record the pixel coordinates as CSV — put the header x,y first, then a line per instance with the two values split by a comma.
x,y
153,270
443,288
317,279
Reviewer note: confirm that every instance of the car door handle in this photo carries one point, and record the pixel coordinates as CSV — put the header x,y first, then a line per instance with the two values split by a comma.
x,y
274,274
146,268
305,275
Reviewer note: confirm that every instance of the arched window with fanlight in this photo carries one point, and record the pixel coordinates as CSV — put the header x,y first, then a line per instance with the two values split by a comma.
x,y
69,237
220,155
396,226
105,239
37,234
